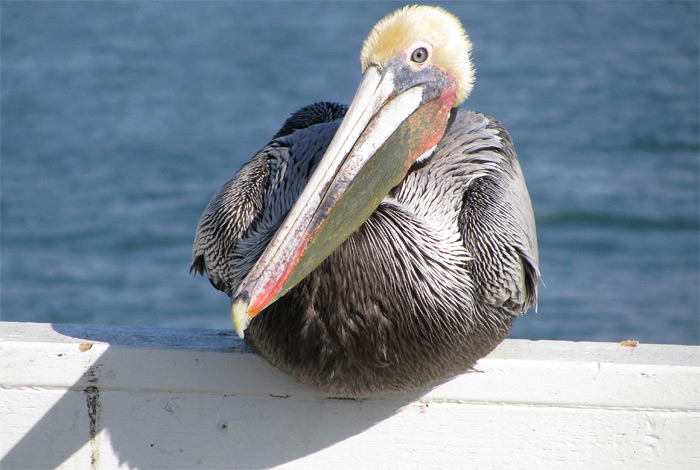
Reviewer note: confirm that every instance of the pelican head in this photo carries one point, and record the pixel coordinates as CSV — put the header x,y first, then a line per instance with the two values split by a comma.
x,y
438,31
416,68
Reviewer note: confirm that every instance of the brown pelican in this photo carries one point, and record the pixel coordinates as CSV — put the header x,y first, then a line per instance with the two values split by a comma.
x,y
386,245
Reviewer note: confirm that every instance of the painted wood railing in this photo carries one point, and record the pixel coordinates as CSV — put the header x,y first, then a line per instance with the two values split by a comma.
x,y
98,397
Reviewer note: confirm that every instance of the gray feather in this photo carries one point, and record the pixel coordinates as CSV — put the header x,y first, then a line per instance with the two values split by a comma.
x,y
429,284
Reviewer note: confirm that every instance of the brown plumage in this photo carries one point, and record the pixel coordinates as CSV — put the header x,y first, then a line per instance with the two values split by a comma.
x,y
429,283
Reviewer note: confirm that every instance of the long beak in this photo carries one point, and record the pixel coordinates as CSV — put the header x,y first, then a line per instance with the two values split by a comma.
x,y
388,125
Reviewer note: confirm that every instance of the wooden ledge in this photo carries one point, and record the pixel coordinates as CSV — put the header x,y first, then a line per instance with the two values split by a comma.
x,y
83,396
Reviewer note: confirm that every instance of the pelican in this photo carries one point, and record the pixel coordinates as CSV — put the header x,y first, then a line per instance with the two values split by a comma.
x,y
383,246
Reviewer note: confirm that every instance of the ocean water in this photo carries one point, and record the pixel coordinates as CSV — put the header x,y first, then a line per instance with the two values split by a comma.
x,y
120,120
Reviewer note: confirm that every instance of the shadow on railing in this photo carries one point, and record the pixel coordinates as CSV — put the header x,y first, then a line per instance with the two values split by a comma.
x,y
210,428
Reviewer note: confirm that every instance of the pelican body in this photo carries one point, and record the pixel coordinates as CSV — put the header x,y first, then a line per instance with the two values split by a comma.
x,y
386,245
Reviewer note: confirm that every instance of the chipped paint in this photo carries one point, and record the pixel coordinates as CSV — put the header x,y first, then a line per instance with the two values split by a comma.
x,y
92,397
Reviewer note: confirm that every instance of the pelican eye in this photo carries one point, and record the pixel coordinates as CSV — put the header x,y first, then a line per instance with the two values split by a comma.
x,y
420,55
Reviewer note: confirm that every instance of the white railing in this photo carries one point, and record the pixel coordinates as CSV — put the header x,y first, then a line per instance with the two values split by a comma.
x,y
103,397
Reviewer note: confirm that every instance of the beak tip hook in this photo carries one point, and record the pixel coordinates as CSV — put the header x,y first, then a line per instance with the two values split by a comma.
x,y
239,313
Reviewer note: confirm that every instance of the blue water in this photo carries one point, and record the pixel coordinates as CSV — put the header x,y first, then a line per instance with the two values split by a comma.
x,y
119,121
